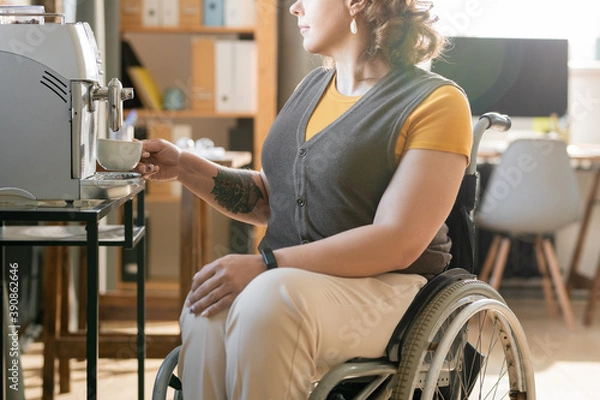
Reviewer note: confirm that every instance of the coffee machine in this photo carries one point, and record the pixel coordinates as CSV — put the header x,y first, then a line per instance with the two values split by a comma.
x,y
52,83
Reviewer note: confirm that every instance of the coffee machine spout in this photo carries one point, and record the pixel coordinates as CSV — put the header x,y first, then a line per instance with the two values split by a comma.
x,y
114,93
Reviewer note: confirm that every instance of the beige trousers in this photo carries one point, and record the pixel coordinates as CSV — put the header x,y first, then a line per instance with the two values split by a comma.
x,y
286,330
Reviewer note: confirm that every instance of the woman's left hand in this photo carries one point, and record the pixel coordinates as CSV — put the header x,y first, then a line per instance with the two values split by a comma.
x,y
218,283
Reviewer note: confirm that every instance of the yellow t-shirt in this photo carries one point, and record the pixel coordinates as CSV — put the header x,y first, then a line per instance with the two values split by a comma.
x,y
446,107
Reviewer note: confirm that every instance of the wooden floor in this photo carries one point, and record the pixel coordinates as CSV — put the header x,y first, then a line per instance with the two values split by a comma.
x,y
567,364
117,379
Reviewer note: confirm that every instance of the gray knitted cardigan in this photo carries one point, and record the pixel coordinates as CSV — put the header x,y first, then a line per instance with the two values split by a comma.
x,y
334,181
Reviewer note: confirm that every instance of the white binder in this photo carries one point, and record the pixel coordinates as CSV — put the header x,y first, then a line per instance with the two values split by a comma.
x,y
240,13
235,75
151,11
170,12
224,75
245,79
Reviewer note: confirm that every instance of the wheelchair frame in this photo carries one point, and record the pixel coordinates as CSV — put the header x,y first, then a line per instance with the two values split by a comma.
x,y
436,351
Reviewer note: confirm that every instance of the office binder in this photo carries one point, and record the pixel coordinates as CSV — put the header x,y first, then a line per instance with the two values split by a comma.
x,y
190,12
212,13
224,75
131,13
169,15
145,87
203,74
151,12
235,75
245,76
240,13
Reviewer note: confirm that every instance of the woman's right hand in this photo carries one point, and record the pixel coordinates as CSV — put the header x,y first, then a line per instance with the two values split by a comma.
x,y
160,160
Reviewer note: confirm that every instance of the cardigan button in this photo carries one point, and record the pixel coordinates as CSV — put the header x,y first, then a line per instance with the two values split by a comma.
x,y
302,152
305,241
300,201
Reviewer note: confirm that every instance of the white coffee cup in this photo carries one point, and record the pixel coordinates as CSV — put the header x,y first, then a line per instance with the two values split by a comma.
x,y
118,155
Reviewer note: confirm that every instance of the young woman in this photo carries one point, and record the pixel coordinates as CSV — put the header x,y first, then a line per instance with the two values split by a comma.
x,y
360,170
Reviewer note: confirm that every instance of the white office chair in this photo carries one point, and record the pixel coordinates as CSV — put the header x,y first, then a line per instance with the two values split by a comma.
x,y
531,194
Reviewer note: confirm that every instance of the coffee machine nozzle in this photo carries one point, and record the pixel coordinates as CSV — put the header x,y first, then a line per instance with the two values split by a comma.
x,y
115,94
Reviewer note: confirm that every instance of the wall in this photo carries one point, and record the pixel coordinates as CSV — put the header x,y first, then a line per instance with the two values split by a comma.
x,y
577,20
293,61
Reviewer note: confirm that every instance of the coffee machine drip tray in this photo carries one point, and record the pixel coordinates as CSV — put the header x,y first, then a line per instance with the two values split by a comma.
x,y
110,185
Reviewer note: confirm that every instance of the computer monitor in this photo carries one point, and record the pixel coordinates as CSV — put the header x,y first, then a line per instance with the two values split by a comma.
x,y
519,77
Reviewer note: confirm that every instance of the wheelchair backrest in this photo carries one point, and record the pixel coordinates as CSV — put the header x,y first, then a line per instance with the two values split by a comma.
x,y
461,230
461,227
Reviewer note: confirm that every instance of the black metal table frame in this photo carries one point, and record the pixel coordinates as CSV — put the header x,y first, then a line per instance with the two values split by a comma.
x,y
133,237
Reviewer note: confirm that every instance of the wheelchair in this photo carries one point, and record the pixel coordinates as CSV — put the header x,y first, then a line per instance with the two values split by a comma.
x,y
458,339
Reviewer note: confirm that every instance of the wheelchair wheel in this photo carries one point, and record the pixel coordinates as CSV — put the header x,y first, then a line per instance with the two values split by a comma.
x,y
166,384
467,344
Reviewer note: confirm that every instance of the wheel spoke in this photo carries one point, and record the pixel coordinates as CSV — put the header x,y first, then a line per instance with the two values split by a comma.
x,y
466,345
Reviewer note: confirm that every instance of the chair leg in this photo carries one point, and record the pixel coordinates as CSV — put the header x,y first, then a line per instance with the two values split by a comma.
x,y
591,305
484,274
497,261
559,284
500,263
546,281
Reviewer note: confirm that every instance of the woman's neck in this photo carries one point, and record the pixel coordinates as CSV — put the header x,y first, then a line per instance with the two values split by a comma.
x,y
349,82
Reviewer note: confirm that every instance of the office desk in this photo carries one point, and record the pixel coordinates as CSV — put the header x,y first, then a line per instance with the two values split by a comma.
x,y
589,157
91,235
590,154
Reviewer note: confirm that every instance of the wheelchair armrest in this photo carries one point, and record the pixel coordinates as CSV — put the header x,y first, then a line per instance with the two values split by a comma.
x,y
423,297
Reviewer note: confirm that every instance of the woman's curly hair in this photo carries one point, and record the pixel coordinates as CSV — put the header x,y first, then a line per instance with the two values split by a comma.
x,y
402,32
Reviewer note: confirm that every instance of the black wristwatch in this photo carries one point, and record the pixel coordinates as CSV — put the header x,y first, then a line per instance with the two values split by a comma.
x,y
268,258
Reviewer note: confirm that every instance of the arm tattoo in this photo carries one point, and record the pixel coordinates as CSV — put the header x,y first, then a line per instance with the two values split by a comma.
x,y
235,191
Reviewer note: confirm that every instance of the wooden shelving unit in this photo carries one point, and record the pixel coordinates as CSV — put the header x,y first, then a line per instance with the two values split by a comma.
x,y
265,36
205,30
178,114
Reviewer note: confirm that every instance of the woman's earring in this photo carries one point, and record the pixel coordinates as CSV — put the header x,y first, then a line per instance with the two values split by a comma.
x,y
353,26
